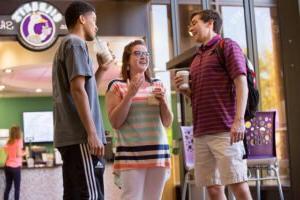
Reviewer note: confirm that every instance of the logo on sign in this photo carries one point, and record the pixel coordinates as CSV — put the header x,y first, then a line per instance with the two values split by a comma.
x,y
39,23
37,29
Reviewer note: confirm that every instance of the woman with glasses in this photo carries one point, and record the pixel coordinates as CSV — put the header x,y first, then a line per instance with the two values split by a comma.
x,y
138,110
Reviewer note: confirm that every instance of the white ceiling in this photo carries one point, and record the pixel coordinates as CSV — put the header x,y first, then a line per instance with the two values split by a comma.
x,y
32,70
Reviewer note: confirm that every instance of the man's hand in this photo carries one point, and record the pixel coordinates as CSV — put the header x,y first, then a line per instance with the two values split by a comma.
x,y
237,132
178,81
103,66
96,147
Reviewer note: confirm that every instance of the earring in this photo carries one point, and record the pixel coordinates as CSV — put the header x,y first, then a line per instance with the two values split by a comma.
x,y
127,67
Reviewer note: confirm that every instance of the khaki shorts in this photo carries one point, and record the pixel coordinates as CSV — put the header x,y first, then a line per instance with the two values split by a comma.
x,y
217,162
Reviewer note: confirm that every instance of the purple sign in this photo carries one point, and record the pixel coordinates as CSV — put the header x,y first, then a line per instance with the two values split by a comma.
x,y
37,29
36,24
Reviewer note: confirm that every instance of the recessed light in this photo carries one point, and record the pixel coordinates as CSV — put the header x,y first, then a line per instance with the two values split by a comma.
x,y
38,90
2,87
8,70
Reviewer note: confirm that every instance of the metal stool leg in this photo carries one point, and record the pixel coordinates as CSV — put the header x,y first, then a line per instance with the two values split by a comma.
x,y
204,194
190,191
183,195
258,183
275,169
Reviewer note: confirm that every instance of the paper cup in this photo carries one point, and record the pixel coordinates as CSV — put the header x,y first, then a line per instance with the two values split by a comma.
x,y
185,75
101,48
152,100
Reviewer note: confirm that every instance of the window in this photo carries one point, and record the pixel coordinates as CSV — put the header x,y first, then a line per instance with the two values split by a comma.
x,y
234,25
270,72
160,35
271,78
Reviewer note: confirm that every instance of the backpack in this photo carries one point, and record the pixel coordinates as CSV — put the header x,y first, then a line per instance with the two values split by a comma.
x,y
253,94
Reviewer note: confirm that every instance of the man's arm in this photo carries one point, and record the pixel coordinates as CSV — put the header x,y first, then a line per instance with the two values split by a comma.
x,y
241,96
83,108
238,126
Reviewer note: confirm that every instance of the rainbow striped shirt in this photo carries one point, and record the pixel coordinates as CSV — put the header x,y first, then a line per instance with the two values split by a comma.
x,y
141,142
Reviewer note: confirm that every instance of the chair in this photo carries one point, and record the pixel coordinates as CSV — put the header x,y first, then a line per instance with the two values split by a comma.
x,y
260,144
189,160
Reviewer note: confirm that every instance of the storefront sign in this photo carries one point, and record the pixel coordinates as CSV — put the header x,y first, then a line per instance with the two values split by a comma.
x,y
37,25
6,25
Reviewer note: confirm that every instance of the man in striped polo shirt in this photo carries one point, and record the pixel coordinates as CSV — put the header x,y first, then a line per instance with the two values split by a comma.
x,y
219,96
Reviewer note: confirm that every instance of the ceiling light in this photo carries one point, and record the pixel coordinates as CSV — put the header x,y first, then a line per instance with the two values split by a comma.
x,y
8,70
2,87
38,90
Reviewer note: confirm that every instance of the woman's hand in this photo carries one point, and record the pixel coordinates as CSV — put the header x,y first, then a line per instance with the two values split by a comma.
x,y
135,84
159,94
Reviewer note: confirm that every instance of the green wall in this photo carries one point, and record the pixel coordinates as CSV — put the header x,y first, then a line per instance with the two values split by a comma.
x,y
11,109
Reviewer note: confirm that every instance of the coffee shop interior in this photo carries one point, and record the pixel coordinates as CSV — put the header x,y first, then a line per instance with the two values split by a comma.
x,y
263,29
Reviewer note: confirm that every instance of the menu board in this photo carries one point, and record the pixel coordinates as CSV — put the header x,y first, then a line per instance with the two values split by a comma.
x,y
38,126
4,134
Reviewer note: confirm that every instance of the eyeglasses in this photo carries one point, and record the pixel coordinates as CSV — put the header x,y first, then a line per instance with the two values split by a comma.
x,y
141,53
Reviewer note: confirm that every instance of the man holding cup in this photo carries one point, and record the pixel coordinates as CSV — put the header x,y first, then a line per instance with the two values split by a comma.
x,y
101,48
219,96
78,126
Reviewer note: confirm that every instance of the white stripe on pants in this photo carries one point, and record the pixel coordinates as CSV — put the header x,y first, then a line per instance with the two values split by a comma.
x,y
89,171
144,184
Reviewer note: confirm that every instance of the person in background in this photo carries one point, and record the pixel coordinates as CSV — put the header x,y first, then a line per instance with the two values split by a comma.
x,y
219,96
78,126
138,110
13,164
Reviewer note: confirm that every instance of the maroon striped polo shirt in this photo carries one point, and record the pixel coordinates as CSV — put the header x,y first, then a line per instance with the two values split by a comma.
x,y
213,94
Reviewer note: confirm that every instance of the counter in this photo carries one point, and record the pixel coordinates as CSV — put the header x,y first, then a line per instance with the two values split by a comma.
x,y
37,183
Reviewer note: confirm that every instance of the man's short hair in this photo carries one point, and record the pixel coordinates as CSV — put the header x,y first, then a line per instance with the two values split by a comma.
x,y
206,15
76,9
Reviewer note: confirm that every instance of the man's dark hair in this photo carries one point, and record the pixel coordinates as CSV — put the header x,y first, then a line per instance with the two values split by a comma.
x,y
76,9
206,15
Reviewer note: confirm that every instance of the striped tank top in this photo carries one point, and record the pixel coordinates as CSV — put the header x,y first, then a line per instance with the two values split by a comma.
x,y
141,142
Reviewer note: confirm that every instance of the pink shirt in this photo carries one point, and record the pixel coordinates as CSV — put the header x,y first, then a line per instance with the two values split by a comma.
x,y
14,154
213,102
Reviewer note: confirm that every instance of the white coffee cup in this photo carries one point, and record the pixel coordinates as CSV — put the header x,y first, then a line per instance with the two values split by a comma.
x,y
185,75
152,100
101,48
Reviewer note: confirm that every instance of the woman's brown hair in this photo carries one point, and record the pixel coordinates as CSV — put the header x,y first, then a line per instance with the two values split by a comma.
x,y
14,134
125,72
